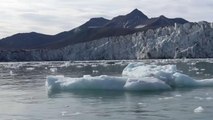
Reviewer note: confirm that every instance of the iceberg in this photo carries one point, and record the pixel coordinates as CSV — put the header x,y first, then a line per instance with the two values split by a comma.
x,y
105,82
135,77
102,82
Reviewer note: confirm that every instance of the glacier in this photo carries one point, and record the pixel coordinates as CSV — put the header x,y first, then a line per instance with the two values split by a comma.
x,y
190,40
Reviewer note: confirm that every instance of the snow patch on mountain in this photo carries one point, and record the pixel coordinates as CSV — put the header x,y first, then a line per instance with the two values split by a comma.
x,y
140,26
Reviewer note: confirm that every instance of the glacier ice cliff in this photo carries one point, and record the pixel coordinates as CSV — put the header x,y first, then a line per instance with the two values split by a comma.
x,y
190,40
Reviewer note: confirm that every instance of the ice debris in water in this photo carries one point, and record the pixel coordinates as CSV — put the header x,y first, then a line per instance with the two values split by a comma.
x,y
94,65
63,113
178,95
136,77
198,109
66,64
95,71
53,69
77,113
198,98
141,103
209,98
166,98
30,68
195,69
11,72
79,66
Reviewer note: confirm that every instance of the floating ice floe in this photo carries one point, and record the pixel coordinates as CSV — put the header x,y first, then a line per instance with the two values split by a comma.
x,y
166,98
178,95
94,65
209,98
53,69
79,66
95,71
30,68
198,98
11,72
63,113
136,77
198,109
66,64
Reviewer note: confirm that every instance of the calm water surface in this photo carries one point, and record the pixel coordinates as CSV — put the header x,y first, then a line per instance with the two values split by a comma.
x,y
23,95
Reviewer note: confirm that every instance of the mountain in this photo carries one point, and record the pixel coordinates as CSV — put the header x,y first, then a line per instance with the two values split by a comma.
x,y
95,28
94,23
163,21
25,41
130,20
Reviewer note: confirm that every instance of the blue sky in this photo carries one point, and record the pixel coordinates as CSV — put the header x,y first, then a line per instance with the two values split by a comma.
x,y
54,16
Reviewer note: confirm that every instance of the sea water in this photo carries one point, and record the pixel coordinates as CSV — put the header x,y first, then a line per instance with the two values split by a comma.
x,y
94,90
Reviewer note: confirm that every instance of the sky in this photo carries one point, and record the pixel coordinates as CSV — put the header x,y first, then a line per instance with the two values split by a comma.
x,y
54,16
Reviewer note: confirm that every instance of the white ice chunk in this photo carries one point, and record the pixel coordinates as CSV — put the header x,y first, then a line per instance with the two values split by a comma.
x,y
146,84
182,80
140,70
63,113
198,109
53,69
30,68
178,95
205,82
140,26
11,72
209,98
95,71
54,83
198,98
166,98
87,82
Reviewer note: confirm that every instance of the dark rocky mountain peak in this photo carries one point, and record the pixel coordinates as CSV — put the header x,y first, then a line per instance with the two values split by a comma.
x,y
25,41
131,20
137,13
94,23
163,21
163,17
